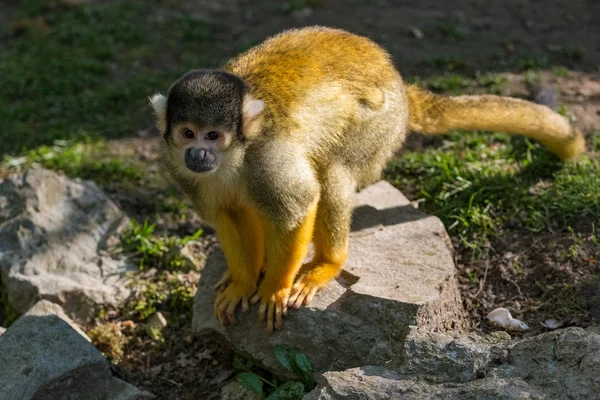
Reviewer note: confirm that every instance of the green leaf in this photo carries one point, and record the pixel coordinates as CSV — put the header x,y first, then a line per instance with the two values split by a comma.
x,y
250,381
284,387
286,356
238,363
296,391
276,396
303,363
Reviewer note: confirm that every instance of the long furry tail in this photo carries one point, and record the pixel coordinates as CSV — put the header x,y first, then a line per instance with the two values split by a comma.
x,y
433,114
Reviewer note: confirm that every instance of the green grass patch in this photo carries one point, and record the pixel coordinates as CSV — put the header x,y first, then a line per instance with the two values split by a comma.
x,y
89,159
483,185
87,71
166,278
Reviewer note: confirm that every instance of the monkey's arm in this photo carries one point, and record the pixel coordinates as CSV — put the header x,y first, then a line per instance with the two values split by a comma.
x,y
286,250
241,239
286,192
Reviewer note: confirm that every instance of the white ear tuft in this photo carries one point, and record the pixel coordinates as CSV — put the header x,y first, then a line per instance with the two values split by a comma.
x,y
253,107
159,103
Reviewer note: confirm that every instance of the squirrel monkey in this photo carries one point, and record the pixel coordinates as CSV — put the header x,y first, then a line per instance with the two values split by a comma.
x,y
272,147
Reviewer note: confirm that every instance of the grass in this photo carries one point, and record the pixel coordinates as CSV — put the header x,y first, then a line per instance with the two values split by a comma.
x,y
86,72
484,185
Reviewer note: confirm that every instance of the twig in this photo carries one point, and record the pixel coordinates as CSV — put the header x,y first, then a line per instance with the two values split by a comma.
x,y
482,281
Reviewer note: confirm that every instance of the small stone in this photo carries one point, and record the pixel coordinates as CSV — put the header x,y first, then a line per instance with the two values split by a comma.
x,y
156,323
235,391
416,32
191,254
552,324
2,330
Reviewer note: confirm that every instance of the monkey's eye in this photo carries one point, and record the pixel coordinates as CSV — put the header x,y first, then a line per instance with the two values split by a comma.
x,y
212,135
188,134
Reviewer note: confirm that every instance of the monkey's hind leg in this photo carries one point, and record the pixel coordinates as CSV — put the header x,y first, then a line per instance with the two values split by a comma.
x,y
242,239
330,239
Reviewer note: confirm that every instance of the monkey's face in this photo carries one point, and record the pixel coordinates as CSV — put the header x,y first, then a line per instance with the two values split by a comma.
x,y
202,150
206,120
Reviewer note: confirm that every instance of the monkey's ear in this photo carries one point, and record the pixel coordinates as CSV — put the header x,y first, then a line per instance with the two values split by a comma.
x,y
252,107
159,103
251,111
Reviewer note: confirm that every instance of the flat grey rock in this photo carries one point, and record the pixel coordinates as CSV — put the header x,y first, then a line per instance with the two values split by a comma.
x,y
42,357
400,272
54,233
378,383
563,364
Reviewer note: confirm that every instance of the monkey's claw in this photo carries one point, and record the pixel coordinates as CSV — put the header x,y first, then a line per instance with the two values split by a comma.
x,y
223,282
227,301
272,308
303,292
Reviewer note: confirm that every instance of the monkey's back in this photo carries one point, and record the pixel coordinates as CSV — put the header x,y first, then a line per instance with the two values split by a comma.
x,y
337,92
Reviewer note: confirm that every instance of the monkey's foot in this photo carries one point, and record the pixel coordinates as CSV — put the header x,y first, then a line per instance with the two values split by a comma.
x,y
227,301
272,307
303,292
316,276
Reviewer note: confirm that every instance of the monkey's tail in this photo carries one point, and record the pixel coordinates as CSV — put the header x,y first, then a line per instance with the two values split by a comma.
x,y
433,114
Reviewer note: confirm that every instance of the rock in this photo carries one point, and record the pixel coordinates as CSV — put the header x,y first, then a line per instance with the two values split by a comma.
x,y
155,325
563,364
380,383
43,357
235,391
45,307
400,272
54,233
438,357
191,256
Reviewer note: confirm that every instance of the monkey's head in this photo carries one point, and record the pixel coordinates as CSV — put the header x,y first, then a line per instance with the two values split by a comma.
x,y
206,119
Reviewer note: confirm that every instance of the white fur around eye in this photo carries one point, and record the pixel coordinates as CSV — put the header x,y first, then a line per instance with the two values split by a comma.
x,y
159,104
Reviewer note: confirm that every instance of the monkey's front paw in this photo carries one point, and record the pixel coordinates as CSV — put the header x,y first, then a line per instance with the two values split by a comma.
x,y
227,301
272,307
303,292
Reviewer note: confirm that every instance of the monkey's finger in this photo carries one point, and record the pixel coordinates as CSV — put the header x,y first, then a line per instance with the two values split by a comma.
x,y
296,290
245,305
231,312
255,299
224,279
221,317
270,317
278,313
310,296
301,297
262,311
219,301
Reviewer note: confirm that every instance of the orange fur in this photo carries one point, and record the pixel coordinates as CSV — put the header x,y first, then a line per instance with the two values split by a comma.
x,y
286,251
